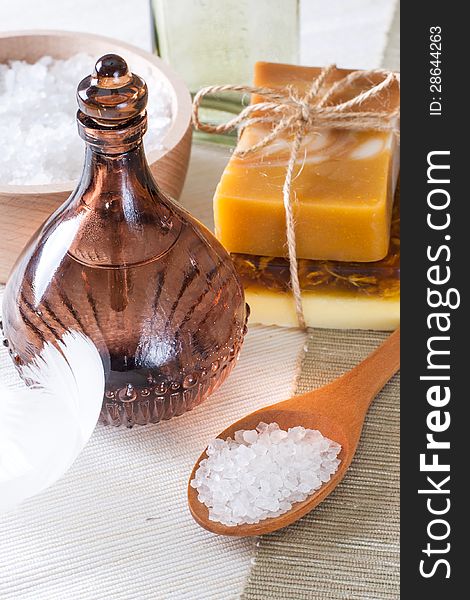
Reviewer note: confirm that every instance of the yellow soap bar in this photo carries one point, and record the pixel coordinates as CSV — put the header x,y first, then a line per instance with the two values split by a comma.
x,y
343,183
322,310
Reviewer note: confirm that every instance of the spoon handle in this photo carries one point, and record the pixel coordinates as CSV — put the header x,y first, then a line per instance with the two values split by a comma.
x,y
349,396
361,384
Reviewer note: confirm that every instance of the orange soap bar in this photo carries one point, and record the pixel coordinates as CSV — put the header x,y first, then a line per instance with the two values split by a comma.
x,y
343,182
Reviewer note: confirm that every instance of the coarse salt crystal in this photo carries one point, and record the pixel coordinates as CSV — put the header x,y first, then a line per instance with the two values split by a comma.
x,y
250,436
261,473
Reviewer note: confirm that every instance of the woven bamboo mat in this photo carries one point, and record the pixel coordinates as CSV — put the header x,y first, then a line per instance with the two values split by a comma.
x,y
349,546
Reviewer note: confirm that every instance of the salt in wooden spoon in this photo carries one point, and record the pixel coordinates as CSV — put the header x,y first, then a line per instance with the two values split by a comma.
x,y
337,410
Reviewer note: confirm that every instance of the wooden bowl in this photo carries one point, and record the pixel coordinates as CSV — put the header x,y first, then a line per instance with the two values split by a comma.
x,y
23,208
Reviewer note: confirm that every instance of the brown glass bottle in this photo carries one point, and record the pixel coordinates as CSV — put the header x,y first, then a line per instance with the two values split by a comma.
x,y
124,264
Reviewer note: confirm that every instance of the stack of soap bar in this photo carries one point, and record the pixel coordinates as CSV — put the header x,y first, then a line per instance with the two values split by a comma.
x,y
348,295
344,184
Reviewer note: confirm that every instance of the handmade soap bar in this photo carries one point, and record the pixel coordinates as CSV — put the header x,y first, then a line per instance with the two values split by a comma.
x,y
334,294
343,183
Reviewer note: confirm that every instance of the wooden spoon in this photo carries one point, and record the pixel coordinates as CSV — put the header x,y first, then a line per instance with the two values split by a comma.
x,y
337,410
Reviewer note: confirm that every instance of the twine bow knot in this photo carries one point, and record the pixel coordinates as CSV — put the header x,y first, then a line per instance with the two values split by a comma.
x,y
304,110
289,112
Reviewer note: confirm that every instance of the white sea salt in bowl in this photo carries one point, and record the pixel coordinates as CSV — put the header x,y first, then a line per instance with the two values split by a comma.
x,y
23,208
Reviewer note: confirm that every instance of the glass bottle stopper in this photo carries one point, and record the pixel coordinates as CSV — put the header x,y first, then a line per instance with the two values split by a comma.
x,y
112,94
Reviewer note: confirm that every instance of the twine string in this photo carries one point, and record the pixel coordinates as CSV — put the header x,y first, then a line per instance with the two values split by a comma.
x,y
288,112
290,229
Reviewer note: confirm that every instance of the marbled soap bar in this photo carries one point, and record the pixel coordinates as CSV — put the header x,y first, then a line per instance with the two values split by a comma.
x,y
343,183
349,295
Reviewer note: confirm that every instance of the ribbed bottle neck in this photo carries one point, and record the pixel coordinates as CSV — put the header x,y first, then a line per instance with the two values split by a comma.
x,y
119,138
